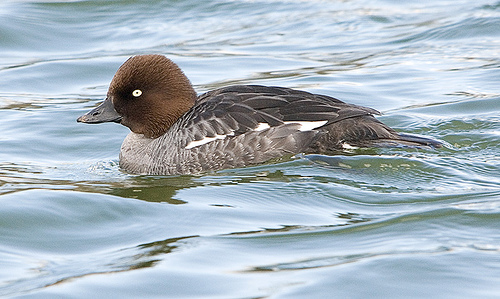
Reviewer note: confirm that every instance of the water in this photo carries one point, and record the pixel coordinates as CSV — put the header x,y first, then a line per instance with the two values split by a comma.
x,y
366,223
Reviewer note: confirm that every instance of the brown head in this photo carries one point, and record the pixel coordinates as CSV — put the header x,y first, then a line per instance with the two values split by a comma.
x,y
148,94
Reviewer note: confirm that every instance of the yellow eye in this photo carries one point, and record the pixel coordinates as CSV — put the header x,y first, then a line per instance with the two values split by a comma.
x,y
137,93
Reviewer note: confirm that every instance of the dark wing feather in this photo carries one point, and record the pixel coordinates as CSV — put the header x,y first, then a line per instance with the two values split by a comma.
x,y
238,109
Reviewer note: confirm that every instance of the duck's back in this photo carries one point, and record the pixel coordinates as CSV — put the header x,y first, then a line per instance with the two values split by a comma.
x,y
240,109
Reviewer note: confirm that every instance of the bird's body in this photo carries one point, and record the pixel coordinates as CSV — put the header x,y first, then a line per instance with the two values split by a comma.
x,y
176,132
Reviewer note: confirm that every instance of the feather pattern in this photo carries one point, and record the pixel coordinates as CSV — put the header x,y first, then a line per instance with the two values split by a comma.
x,y
239,109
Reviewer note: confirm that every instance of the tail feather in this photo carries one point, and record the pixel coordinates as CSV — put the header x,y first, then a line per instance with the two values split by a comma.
x,y
421,140
409,140
366,131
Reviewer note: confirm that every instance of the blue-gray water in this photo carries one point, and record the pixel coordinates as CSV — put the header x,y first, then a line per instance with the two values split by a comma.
x,y
364,224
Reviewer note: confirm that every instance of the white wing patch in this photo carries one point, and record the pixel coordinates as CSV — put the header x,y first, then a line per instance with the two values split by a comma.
x,y
304,126
206,140
262,126
308,125
346,145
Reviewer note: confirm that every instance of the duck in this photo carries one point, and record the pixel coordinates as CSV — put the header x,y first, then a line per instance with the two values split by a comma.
x,y
174,131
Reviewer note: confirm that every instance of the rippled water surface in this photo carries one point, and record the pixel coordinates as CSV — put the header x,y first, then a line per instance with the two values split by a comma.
x,y
362,224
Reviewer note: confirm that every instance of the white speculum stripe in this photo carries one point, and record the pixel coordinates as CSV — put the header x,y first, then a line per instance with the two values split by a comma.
x,y
304,126
262,126
308,125
206,140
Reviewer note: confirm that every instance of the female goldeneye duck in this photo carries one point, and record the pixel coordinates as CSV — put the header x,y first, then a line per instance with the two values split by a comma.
x,y
174,131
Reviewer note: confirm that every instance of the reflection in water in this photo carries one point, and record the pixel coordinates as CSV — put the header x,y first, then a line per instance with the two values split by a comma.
x,y
155,189
49,271
330,261
154,249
